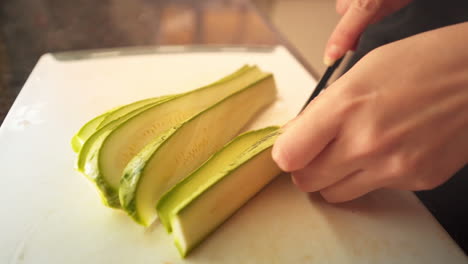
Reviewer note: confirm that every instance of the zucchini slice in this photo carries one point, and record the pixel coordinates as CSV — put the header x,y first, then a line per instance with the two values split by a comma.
x,y
218,188
121,140
86,161
129,108
172,156
100,121
200,203
86,131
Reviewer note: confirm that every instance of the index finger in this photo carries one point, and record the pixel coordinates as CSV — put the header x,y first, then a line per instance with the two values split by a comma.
x,y
357,17
306,136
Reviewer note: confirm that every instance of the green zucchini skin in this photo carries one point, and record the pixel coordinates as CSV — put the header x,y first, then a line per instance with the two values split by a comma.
x,y
137,170
87,162
86,131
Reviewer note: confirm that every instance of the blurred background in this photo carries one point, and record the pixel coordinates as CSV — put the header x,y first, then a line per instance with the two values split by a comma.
x,y
30,28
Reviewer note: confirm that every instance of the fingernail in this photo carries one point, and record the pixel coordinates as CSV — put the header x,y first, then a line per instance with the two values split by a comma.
x,y
299,182
276,155
294,180
279,157
328,61
332,54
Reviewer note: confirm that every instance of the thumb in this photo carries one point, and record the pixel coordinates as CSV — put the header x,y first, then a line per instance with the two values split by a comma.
x,y
358,15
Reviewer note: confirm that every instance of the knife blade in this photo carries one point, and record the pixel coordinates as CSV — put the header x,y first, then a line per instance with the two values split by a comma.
x,y
323,81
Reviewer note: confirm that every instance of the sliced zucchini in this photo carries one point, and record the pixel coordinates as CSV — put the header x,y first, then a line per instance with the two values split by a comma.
x,y
91,142
172,156
86,131
87,162
100,121
129,108
107,158
200,203
117,113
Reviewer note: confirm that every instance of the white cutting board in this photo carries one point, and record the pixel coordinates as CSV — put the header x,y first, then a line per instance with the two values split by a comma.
x,y
51,214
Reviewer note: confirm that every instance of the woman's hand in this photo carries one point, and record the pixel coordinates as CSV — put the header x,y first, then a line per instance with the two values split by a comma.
x,y
356,16
397,119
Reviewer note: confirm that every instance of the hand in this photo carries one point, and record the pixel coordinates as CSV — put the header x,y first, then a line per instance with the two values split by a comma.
x,y
356,16
397,119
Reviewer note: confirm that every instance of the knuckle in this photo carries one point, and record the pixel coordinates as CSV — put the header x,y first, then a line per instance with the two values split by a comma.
x,y
351,102
357,93
376,139
396,168
402,167
367,145
368,5
400,164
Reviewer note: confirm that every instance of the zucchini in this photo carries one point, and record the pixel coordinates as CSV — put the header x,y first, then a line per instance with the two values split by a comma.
x,y
106,159
181,149
86,161
100,121
86,131
129,108
219,187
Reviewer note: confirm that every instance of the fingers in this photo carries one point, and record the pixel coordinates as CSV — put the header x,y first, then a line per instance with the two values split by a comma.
x,y
331,166
306,136
358,15
352,186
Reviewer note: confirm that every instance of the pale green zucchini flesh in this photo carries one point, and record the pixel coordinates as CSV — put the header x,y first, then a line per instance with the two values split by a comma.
x,y
171,157
87,157
91,142
131,107
129,137
100,121
217,189
98,151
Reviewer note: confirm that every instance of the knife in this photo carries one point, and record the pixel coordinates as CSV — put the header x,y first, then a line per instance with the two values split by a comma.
x,y
323,81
